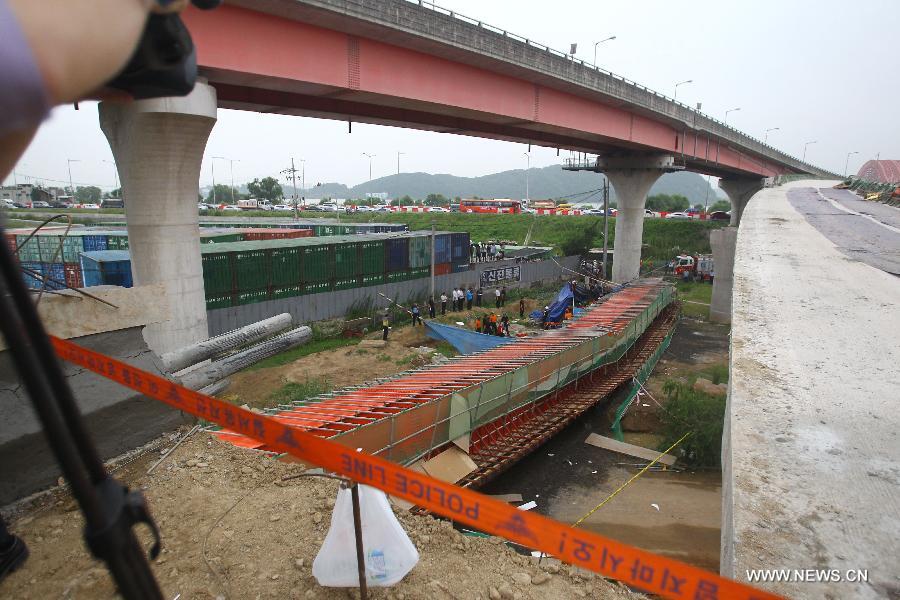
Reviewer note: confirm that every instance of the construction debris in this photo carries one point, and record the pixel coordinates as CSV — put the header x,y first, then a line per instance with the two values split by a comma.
x,y
629,449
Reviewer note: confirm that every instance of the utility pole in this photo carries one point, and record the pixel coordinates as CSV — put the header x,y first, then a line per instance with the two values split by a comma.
x,y
212,164
432,258
398,164
69,162
116,178
605,224
371,156
528,168
231,162
805,146
766,139
293,173
847,164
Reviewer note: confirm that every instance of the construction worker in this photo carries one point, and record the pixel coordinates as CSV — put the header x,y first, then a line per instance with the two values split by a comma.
x,y
545,318
504,325
493,320
430,308
497,297
478,324
469,298
478,295
443,303
568,314
416,319
385,325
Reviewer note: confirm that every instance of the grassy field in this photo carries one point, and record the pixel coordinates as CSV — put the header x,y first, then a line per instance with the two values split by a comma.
x,y
695,298
662,238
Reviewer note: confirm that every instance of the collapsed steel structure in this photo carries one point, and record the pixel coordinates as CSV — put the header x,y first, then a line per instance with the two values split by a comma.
x,y
501,402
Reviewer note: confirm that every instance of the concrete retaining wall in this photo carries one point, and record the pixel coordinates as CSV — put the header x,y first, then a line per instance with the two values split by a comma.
x,y
318,307
117,418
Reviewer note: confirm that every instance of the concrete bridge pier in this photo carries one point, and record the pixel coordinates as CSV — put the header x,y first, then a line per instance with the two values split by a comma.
x,y
723,242
158,147
632,177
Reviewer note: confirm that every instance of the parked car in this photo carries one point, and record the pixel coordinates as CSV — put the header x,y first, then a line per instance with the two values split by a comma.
x,y
20,205
650,213
719,215
90,206
233,208
678,215
282,207
8,203
438,209
40,204
365,209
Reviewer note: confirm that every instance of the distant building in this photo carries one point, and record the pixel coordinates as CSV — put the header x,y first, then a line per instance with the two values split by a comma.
x,y
376,195
883,171
22,194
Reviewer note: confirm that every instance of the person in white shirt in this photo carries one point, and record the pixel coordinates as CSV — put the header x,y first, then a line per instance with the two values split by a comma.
x,y
497,295
443,303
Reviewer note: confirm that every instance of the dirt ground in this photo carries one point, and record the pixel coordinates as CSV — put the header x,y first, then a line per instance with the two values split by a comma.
x,y
350,365
232,528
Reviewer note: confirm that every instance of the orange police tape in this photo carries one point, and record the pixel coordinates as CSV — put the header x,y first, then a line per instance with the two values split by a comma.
x,y
655,574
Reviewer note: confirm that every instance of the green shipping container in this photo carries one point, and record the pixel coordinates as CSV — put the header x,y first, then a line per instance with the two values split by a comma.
x,y
316,287
375,279
72,247
420,251
371,256
288,291
117,242
217,279
318,263
346,283
251,269
285,267
396,276
346,260
420,272
30,251
252,296
219,301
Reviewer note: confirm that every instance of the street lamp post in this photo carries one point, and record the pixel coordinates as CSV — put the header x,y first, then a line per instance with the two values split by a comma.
x,y
231,162
730,111
69,162
370,156
847,163
116,177
675,99
612,37
527,168
766,140
398,163
805,146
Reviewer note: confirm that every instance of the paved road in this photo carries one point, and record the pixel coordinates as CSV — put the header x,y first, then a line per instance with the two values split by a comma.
x,y
865,231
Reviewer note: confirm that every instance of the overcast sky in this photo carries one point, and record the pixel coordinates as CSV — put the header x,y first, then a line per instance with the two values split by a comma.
x,y
824,71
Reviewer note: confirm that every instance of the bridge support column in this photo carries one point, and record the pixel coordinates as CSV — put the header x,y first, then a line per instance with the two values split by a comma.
x,y
158,147
632,177
739,191
723,242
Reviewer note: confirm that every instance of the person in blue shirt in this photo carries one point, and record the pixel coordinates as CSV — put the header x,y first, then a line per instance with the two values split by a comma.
x,y
417,320
469,297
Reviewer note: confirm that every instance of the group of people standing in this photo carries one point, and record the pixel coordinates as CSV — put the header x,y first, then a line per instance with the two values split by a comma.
x,y
491,324
487,251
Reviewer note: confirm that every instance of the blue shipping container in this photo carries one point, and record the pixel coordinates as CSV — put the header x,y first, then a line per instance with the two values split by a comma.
x,y
31,281
106,267
397,254
95,242
442,248
460,266
459,246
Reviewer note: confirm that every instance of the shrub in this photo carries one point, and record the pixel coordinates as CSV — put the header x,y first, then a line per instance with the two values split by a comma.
x,y
703,415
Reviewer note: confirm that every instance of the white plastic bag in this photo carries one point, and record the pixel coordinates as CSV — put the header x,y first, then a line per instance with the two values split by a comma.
x,y
389,554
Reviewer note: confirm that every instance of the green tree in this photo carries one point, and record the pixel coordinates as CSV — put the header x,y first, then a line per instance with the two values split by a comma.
x,y
89,194
116,193
406,201
436,200
266,188
37,194
668,203
223,195
723,205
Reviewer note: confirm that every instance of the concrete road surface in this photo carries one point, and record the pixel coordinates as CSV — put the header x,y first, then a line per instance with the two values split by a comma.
x,y
865,231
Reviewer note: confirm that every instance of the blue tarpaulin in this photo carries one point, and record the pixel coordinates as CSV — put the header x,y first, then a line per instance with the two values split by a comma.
x,y
465,341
